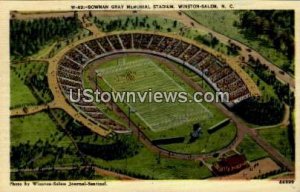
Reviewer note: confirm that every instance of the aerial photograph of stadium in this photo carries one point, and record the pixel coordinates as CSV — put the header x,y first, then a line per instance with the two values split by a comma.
x,y
60,59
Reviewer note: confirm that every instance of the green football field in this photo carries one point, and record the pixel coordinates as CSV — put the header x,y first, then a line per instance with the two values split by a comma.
x,y
139,74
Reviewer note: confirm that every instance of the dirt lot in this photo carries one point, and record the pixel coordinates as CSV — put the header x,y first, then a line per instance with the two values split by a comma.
x,y
262,166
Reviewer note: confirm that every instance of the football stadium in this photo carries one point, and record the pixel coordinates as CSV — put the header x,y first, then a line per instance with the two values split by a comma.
x,y
249,136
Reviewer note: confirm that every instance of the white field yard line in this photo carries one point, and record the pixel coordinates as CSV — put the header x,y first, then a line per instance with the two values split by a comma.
x,y
102,107
138,63
128,104
189,117
184,115
219,123
179,86
122,67
186,119
167,125
131,107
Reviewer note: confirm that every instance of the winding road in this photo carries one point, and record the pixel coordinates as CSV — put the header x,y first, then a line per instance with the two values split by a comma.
x,y
243,129
174,15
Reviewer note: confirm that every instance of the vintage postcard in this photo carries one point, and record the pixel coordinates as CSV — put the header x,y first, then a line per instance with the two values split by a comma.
x,y
149,96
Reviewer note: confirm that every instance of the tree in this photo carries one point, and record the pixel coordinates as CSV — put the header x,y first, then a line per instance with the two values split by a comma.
x,y
175,24
27,37
214,42
259,112
275,27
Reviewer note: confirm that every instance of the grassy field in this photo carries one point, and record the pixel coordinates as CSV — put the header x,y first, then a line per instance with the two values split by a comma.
x,y
207,142
45,51
140,74
33,128
108,112
40,142
147,163
20,94
266,90
29,130
278,138
25,91
164,120
144,162
251,150
223,22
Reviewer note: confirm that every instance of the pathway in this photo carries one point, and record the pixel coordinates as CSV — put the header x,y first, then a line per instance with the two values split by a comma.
x,y
60,100
28,110
174,15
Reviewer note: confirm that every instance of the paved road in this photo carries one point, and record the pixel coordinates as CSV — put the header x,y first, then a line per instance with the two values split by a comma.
x,y
32,109
242,127
242,130
244,52
147,142
274,154
186,20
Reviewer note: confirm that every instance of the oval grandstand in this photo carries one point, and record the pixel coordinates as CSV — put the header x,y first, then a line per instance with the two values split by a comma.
x,y
219,74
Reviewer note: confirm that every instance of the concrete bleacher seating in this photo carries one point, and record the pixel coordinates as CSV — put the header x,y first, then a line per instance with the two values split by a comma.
x,y
218,74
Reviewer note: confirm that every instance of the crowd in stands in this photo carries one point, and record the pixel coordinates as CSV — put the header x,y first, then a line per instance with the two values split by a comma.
x,y
94,46
105,44
114,41
198,57
145,41
69,78
127,40
189,52
155,42
179,49
85,51
71,65
165,44
77,57
136,40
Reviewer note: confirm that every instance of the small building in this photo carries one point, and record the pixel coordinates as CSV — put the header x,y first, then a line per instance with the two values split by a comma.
x,y
196,131
230,165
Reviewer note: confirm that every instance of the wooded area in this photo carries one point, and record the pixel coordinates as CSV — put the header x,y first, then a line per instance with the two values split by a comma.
x,y
28,36
275,27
